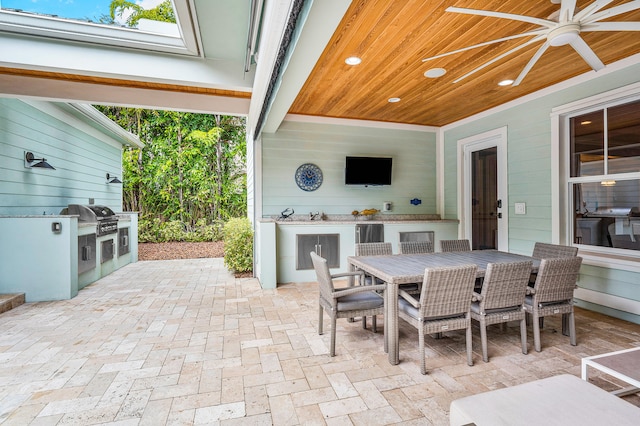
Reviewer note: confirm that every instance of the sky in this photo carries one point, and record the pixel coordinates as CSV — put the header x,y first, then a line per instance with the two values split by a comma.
x,y
74,9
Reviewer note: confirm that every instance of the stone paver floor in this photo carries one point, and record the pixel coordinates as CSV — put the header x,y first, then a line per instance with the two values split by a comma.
x,y
183,342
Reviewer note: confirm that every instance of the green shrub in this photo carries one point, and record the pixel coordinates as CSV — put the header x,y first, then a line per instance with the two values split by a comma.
x,y
238,245
153,230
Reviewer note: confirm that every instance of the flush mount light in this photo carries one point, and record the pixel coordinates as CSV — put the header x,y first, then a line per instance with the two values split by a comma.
x,y
31,162
394,100
608,183
352,60
435,72
585,122
505,83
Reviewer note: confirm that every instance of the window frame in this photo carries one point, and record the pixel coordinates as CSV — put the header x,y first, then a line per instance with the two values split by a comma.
x,y
562,194
188,43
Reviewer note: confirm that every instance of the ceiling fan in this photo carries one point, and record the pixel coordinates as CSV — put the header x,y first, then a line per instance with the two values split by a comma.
x,y
559,29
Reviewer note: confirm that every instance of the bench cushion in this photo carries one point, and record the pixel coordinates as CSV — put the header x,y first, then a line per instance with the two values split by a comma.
x,y
558,400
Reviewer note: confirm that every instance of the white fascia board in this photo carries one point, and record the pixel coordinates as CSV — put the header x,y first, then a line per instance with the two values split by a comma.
x,y
22,87
359,123
274,22
320,24
103,123
87,122
51,55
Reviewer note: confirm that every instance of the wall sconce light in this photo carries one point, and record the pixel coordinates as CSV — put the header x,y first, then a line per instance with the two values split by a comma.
x,y
113,179
30,161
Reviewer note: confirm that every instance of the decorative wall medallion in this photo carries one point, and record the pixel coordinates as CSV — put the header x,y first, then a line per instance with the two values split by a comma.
x,y
309,177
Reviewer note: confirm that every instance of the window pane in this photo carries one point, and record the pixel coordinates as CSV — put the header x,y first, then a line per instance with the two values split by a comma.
x,y
623,122
587,144
607,214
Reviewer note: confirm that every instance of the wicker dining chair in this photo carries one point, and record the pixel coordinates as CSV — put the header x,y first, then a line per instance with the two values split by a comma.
x,y
455,245
552,294
382,249
415,247
373,249
553,251
444,305
348,302
501,299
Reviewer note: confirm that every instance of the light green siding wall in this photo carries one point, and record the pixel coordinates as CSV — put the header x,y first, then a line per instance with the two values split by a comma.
x,y
529,171
81,160
414,168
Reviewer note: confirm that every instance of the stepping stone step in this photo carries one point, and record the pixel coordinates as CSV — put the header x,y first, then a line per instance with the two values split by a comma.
x,y
10,301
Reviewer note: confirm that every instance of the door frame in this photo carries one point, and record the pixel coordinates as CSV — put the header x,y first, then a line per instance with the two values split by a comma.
x,y
492,138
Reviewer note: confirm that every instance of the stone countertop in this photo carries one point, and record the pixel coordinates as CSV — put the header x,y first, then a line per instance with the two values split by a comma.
x,y
350,219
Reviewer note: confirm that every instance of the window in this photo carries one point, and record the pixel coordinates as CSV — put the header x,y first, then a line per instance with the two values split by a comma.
x,y
604,177
148,35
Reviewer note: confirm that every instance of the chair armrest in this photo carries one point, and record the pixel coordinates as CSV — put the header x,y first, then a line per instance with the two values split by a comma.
x,y
356,289
476,297
409,298
359,274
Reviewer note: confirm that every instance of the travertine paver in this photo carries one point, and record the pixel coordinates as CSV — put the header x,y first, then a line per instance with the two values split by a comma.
x,y
183,342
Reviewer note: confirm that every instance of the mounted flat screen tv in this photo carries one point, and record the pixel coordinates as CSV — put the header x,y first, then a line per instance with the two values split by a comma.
x,y
368,171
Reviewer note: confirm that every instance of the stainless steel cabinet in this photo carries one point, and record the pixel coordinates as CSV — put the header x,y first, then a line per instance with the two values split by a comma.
x,y
325,245
369,233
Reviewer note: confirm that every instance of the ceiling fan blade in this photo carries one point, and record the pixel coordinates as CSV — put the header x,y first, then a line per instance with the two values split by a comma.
x,y
614,11
531,63
611,26
512,16
591,9
497,58
486,43
567,8
587,54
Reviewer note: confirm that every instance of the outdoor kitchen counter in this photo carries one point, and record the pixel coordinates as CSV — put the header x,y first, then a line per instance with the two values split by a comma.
x,y
350,220
285,243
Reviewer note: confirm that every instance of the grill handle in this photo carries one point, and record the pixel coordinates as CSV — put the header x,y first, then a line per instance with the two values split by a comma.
x,y
86,252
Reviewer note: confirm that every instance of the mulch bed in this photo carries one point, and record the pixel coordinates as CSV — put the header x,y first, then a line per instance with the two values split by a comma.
x,y
184,250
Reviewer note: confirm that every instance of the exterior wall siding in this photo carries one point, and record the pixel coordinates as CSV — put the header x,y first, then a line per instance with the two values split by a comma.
x,y
295,143
529,170
81,156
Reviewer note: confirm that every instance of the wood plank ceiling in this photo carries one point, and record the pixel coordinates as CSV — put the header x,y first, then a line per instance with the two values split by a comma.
x,y
392,37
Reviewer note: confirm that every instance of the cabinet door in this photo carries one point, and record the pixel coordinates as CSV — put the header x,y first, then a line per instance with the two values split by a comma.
x,y
326,245
330,249
416,236
369,233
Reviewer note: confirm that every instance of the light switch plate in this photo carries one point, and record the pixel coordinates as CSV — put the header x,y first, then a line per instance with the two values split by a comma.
x,y
521,208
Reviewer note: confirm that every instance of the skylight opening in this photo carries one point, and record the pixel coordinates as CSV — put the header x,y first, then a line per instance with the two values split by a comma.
x,y
147,26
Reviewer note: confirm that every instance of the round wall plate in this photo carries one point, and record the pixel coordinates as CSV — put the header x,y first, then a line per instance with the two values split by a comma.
x,y
309,177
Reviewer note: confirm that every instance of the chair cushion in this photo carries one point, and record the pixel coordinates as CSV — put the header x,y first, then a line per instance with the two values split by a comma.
x,y
360,301
528,300
410,287
408,309
475,308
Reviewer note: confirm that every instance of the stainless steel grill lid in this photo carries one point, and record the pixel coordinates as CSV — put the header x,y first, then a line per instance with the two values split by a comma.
x,y
614,212
89,213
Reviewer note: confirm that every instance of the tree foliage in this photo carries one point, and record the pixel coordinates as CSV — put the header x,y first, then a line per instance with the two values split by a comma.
x,y
162,12
192,169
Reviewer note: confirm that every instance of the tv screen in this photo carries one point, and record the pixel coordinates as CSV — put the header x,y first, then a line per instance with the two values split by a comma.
x,y
368,171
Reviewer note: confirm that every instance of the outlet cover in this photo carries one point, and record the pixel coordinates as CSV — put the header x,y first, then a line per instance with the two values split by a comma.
x,y
521,208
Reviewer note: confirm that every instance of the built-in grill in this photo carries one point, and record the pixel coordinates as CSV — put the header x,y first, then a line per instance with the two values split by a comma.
x,y
613,212
103,216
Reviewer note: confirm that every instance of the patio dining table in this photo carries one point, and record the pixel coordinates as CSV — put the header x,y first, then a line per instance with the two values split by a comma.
x,y
409,268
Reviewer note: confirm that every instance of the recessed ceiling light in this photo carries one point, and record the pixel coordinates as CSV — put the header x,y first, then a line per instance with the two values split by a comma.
x,y
505,83
585,122
394,100
435,72
352,60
